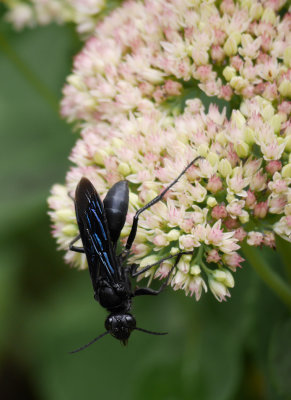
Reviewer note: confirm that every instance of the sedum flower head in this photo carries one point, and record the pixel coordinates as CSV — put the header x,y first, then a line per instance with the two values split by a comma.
x,y
213,207
170,48
133,91
29,13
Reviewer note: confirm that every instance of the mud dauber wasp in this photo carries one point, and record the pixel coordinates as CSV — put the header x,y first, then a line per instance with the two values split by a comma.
x,y
100,224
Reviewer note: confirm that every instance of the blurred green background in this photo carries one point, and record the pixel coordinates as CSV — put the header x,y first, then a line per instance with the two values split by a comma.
x,y
230,351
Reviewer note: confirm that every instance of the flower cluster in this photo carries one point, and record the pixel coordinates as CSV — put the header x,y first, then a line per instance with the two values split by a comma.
x,y
133,91
239,190
146,54
83,13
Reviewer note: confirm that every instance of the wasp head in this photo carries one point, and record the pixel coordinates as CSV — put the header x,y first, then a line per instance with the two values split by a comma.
x,y
120,326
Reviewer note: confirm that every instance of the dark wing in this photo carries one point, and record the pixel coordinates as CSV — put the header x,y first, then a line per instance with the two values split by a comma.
x,y
94,233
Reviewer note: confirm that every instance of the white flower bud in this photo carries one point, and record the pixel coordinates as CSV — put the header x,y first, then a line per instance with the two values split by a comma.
x,y
211,201
212,158
203,150
242,149
219,290
286,171
287,57
124,169
229,73
70,230
65,215
152,259
285,88
195,270
173,235
224,168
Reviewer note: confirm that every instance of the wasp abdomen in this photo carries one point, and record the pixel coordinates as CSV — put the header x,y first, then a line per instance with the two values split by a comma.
x,y
116,206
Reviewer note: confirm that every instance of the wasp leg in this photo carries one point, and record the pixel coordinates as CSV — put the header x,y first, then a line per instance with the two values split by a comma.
x,y
134,267
132,234
71,197
153,292
75,248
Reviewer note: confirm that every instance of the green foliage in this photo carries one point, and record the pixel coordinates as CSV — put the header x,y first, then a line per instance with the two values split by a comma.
x,y
231,351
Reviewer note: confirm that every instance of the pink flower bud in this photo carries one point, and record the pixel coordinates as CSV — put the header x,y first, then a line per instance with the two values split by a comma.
x,y
159,95
236,62
173,88
285,107
273,166
231,223
261,209
217,53
219,212
214,184
226,92
250,199
213,256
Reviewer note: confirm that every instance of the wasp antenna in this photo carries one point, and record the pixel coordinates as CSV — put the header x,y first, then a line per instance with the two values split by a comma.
x,y
89,344
151,332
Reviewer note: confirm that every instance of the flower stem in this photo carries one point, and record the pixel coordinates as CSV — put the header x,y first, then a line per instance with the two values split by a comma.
x,y
28,74
273,280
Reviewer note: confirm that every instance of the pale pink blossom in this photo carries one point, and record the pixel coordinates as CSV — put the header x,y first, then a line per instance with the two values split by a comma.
x,y
233,260
269,240
195,286
278,185
258,182
240,234
277,203
213,256
255,238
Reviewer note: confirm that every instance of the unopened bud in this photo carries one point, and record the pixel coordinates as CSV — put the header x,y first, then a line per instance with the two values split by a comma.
x,y
212,158
65,215
230,47
70,230
211,201
269,16
286,171
276,122
152,259
249,135
287,56
285,88
173,235
224,168
242,149
124,169
195,270
203,150
229,73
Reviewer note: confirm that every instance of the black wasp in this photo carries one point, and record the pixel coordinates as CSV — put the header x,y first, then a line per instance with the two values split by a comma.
x,y
100,224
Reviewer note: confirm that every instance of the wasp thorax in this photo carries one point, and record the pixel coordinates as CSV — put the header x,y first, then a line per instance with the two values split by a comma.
x,y
120,326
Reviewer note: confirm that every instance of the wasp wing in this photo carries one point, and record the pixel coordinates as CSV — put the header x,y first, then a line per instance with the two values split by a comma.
x,y
94,233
